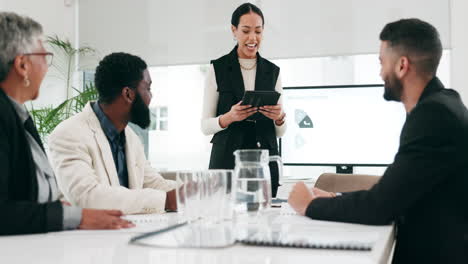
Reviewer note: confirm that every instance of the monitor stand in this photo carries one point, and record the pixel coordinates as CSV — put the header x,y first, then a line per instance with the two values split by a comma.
x,y
346,169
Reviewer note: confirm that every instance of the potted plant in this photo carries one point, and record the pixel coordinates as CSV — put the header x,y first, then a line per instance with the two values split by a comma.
x,y
47,118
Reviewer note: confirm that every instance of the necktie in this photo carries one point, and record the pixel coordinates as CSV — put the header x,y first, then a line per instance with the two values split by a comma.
x,y
31,128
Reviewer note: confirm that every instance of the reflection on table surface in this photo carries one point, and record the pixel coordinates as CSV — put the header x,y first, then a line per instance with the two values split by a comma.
x,y
113,246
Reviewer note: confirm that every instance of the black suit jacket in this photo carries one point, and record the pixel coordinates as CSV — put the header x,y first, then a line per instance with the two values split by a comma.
x,y
19,209
424,190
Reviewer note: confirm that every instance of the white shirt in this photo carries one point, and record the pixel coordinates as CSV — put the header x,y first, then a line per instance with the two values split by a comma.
x,y
210,122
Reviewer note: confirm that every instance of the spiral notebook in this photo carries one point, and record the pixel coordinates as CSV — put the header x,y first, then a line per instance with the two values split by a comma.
x,y
305,243
147,219
147,223
300,232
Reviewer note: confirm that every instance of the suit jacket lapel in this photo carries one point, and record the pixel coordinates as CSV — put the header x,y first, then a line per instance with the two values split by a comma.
x,y
261,74
134,182
235,76
32,188
103,144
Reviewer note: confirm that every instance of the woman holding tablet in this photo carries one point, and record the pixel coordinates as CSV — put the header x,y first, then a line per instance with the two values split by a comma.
x,y
243,69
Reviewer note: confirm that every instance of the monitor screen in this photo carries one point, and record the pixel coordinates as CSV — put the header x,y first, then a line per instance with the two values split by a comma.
x,y
340,125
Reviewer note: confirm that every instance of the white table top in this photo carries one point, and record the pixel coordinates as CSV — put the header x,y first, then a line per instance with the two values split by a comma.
x,y
113,247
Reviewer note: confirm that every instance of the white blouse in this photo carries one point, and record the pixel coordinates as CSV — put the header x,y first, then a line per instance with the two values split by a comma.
x,y
210,122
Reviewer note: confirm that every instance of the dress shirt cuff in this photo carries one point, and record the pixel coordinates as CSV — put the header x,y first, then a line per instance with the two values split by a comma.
x,y
218,126
280,130
71,217
211,126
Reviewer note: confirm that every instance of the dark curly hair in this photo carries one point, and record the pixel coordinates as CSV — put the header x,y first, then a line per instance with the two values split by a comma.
x,y
245,9
116,71
416,39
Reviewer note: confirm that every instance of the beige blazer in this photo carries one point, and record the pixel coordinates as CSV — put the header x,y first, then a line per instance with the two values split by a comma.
x,y
82,159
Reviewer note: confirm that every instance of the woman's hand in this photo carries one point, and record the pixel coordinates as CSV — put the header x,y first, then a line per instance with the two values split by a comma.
x,y
274,112
238,112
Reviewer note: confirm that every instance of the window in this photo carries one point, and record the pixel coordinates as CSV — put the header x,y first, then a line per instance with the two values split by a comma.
x,y
339,70
159,118
177,108
343,70
181,88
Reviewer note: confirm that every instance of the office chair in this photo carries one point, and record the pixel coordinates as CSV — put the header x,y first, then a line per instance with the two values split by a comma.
x,y
334,182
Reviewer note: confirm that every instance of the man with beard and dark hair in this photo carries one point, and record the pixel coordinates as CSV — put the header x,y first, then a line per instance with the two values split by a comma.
x,y
99,161
423,190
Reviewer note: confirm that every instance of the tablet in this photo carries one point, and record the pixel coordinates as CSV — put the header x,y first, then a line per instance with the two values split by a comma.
x,y
260,98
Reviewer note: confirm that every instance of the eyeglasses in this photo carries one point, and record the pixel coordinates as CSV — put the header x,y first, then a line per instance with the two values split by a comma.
x,y
49,56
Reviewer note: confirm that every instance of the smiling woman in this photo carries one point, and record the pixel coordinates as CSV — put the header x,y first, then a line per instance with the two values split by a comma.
x,y
243,69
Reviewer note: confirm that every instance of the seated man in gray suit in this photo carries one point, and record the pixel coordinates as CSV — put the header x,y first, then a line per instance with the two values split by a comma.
x,y
28,190
424,190
99,160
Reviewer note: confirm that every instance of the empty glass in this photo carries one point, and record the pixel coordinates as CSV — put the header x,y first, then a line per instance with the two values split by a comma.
x,y
189,194
253,180
206,195
217,201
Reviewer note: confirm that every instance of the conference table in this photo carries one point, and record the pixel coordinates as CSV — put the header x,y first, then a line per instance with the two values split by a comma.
x,y
112,246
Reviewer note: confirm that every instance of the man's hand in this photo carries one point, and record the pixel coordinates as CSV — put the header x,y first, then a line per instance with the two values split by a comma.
x,y
321,193
300,197
103,219
171,201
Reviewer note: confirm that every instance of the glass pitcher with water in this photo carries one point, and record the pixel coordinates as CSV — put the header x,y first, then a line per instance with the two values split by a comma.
x,y
253,180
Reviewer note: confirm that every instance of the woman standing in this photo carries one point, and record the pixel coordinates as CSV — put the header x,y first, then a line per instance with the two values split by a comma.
x,y
243,69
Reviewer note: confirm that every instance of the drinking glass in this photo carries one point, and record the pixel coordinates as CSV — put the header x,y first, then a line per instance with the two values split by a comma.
x,y
190,194
218,199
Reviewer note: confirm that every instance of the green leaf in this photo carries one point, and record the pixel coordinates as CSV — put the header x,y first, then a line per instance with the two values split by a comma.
x,y
47,118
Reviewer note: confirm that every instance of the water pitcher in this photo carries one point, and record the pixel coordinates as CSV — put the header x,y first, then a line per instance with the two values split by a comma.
x,y
253,180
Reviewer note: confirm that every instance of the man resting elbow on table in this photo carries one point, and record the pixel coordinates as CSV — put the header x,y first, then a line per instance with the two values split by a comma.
x,y
424,190
99,160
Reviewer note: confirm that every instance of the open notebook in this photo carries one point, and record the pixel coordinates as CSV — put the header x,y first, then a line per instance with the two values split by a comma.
x,y
313,237
291,230
150,219
143,224
281,230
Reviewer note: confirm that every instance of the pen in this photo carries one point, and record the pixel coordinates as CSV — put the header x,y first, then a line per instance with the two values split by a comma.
x,y
157,232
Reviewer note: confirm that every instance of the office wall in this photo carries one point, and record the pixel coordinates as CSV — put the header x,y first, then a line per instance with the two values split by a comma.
x,y
459,58
57,17
174,32
193,32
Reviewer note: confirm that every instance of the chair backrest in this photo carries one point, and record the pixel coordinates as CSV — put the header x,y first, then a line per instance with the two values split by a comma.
x,y
334,182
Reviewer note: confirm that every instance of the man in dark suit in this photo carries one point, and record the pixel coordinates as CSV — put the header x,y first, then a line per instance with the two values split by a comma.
x,y
28,189
424,189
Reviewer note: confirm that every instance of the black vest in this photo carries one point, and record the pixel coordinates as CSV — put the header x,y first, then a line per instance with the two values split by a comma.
x,y
231,90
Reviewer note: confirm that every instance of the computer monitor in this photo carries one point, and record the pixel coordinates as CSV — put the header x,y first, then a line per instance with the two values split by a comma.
x,y
341,126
